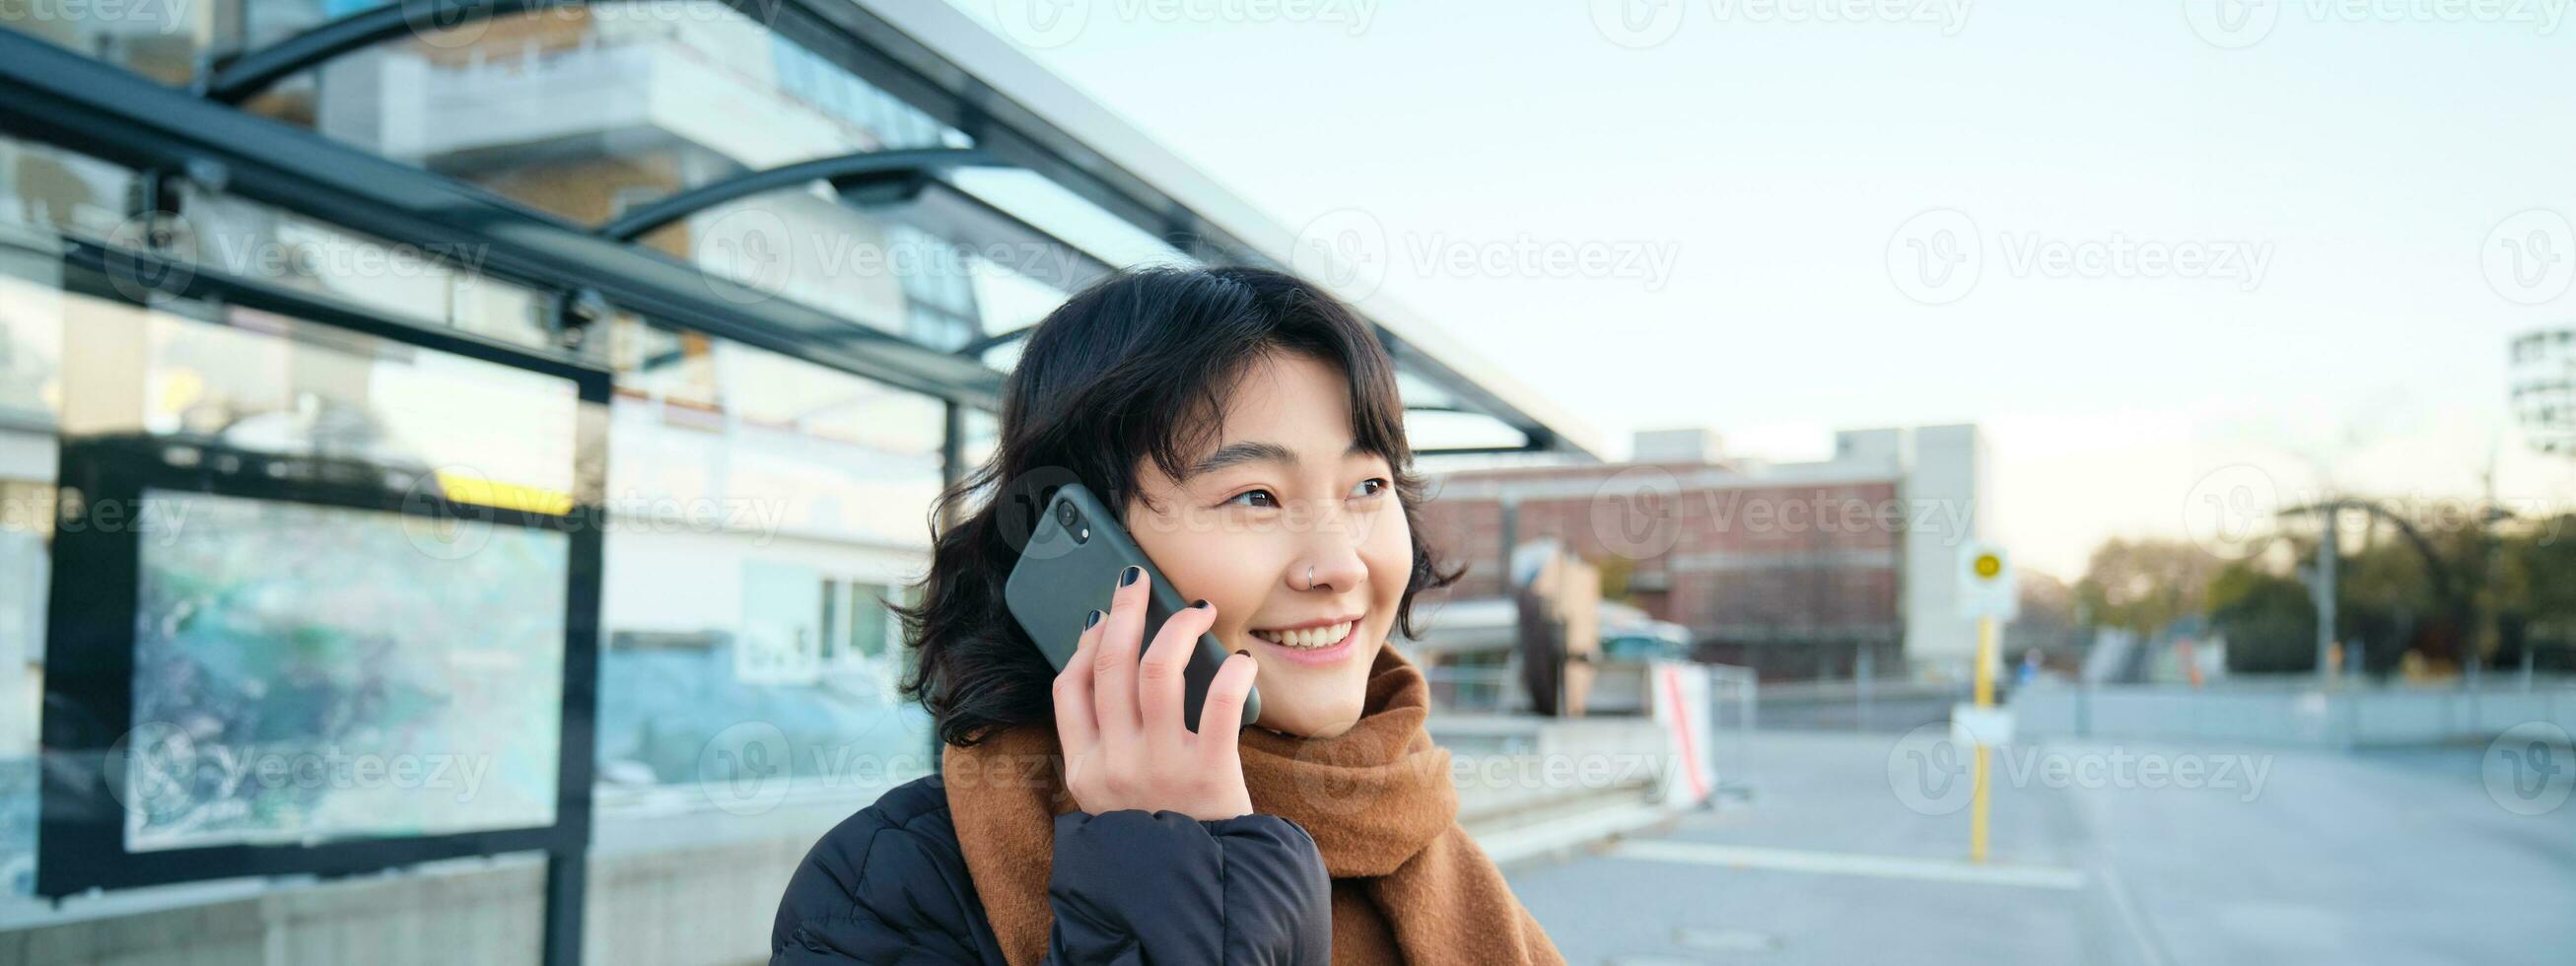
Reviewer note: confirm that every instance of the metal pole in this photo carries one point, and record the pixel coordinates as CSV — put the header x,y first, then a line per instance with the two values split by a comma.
x,y
567,882
1985,699
1861,680
2324,594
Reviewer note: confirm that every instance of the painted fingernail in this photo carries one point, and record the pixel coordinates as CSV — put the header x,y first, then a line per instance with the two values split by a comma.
x,y
1243,652
1201,603
1090,619
1129,575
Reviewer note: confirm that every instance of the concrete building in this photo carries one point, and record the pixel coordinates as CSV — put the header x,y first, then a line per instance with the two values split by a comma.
x,y
1801,570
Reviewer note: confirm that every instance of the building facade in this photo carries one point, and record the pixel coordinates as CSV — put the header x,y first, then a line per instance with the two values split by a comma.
x,y
1800,570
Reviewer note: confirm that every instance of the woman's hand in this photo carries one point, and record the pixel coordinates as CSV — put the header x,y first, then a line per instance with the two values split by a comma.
x,y
1120,720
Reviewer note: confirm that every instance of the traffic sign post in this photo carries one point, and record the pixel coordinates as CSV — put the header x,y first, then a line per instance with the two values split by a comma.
x,y
1986,595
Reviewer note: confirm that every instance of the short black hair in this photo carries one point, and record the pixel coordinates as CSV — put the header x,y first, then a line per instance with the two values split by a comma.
x,y
1137,366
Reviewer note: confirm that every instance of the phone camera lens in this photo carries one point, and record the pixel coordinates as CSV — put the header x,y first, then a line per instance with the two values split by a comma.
x,y
1065,514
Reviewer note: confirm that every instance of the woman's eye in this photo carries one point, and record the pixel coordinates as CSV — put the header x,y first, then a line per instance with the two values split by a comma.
x,y
1369,487
1245,498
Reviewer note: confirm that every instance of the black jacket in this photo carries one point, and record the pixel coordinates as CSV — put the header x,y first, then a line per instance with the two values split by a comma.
x,y
889,885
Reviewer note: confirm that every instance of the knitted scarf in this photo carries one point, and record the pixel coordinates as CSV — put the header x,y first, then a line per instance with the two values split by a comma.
x,y
1408,884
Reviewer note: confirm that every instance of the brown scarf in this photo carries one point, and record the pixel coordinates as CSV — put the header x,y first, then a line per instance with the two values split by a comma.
x,y
1408,884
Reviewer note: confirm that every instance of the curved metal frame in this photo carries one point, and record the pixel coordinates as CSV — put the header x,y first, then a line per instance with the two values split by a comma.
x,y
243,77
846,172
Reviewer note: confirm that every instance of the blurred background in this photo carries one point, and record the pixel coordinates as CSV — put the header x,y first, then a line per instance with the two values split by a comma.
x,y
1941,481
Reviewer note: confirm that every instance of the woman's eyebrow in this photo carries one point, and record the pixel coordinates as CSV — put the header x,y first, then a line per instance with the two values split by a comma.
x,y
1255,451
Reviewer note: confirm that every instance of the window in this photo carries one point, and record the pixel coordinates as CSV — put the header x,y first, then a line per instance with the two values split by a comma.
x,y
756,530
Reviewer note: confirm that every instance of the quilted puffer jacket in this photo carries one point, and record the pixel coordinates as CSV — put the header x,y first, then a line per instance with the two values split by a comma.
x,y
889,886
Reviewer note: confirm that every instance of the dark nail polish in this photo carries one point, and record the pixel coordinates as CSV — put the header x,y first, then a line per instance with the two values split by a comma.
x,y
1200,603
1129,575
1243,652
1091,619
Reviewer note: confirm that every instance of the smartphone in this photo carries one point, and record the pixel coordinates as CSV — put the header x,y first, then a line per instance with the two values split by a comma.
x,y
1076,551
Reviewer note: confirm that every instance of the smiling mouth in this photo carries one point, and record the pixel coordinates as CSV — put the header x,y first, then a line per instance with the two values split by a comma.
x,y
1310,638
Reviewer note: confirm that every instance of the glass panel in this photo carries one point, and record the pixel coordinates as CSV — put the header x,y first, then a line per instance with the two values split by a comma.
x,y
48,190
873,623
934,273
585,110
53,190
754,524
1057,211
806,246
31,334
307,626
435,283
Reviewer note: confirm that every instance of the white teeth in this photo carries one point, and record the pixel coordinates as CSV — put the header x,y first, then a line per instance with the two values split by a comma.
x,y
1307,637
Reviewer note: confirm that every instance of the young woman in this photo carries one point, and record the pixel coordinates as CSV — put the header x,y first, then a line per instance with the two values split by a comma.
x,y
1248,425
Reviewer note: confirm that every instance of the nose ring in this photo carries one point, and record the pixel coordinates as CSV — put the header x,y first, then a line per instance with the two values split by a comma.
x,y
1310,576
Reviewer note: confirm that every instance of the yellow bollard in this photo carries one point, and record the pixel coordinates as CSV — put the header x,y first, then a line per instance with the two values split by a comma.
x,y
1985,699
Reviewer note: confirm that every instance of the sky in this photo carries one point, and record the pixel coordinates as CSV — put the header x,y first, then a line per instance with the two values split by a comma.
x,y
2163,253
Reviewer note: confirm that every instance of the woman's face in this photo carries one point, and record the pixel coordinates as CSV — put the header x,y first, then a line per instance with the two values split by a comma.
x,y
1280,495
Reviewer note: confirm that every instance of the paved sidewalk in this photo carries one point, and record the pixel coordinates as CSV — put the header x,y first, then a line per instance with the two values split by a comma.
x,y
2297,857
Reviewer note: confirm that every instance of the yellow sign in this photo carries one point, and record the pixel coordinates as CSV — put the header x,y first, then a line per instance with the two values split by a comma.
x,y
1986,588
